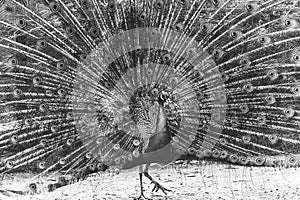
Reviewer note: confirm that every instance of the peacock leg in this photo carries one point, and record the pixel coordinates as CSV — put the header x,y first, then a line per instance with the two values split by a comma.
x,y
142,196
157,186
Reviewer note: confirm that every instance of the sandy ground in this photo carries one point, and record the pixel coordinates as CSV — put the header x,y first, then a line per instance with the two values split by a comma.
x,y
206,181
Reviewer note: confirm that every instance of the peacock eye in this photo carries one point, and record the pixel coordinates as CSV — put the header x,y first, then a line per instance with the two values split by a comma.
x,y
289,112
263,39
178,27
70,31
244,108
273,138
218,53
246,139
14,139
21,23
92,167
233,34
261,120
54,7
27,122
215,2
191,150
88,155
13,61
166,58
9,164
62,161
158,4
287,22
259,161
249,87
43,142
270,99
293,160
42,165
84,3
94,31
61,92
224,77
244,160
41,44
117,146
296,90
143,16
60,65
61,180
183,2
272,74
54,128
233,158
136,142
244,61
48,93
249,7
224,154
17,92
32,186
295,58
222,141
112,5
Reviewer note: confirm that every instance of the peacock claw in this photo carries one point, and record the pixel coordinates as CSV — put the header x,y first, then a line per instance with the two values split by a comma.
x,y
142,197
158,187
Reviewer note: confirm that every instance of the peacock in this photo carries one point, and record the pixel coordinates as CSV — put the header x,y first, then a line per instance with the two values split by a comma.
x,y
86,85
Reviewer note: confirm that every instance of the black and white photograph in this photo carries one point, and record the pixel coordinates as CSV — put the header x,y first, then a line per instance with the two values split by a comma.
x,y
149,100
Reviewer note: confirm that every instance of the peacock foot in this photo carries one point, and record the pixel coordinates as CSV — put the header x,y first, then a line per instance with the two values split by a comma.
x,y
142,197
158,187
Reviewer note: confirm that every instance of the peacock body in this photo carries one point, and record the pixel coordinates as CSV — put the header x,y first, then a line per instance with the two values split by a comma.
x,y
100,83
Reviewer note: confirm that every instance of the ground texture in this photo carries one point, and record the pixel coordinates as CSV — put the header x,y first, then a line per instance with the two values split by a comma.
x,y
187,181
